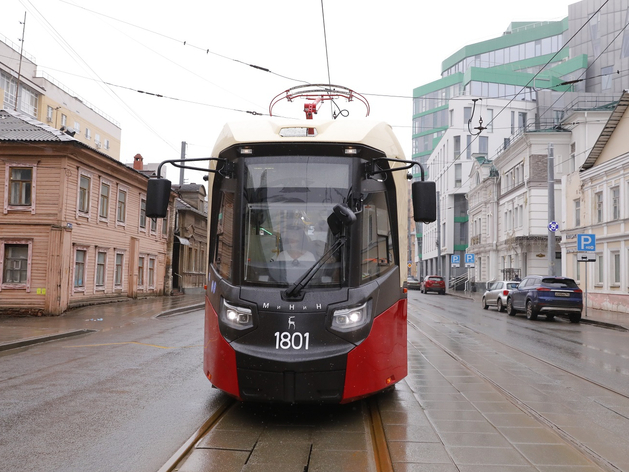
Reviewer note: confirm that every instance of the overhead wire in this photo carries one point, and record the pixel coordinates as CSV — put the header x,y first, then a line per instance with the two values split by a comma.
x,y
184,42
77,57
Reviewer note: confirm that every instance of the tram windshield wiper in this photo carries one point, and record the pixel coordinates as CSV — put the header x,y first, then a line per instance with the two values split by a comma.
x,y
340,218
295,289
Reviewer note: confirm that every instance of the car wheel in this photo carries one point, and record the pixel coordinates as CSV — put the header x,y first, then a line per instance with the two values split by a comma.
x,y
485,306
499,305
510,309
575,317
530,312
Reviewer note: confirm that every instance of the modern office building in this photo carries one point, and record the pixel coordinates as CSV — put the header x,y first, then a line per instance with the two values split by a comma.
x,y
526,85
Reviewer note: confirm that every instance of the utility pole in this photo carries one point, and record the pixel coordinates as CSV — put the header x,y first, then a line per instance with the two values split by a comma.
x,y
183,156
19,69
551,209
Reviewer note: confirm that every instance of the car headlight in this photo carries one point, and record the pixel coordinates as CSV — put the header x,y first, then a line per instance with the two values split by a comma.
x,y
349,319
236,317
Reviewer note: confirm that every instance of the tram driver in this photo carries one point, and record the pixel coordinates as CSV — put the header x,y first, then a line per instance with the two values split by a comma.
x,y
295,244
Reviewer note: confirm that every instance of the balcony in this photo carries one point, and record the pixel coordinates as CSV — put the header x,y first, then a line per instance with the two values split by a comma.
x,y
475,240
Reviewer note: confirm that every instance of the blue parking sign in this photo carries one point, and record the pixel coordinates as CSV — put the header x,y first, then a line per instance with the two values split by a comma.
x,y
586,242
455,260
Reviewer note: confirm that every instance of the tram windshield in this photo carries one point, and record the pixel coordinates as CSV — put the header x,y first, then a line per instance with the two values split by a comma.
x,y
288,201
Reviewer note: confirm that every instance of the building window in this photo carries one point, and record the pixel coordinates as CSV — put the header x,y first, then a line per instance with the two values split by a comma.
x,y
468,148
83,201
165,226
573,158
103,211
151,272
483,145
121,208
19,194
141,272
457,175
153,225
467,115
64,120
118,280
490,120
88,133
15,270
600,274
97,140
615,268
606,80
615,192
106,143
577,268
577,213
80,262
598,206
49,111
142,214
101,260
77,126
456,140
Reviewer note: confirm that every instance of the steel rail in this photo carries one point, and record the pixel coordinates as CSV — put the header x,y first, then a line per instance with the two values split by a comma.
x,y
206,427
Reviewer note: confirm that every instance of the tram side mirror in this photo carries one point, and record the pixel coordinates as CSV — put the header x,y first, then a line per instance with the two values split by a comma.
x,y
424,201
341,216
157,197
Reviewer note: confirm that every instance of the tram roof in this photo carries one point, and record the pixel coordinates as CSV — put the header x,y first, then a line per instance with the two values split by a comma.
x,y
376,134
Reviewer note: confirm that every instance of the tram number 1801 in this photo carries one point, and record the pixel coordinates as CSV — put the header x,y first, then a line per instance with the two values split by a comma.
x,y
295,340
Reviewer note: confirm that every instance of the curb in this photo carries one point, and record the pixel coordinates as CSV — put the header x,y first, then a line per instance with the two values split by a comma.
x,y
179,311
77,332
42,339
584,319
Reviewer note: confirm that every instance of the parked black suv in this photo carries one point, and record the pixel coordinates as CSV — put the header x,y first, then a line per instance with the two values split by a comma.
x,y
546,295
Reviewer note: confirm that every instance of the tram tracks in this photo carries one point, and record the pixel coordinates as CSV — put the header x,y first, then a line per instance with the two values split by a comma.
x,y
304,438
589,448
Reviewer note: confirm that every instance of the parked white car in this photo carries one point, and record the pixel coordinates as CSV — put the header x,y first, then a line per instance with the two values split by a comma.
x,y
497,293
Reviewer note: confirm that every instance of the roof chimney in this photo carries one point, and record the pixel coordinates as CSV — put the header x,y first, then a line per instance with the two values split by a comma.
x,y
137,162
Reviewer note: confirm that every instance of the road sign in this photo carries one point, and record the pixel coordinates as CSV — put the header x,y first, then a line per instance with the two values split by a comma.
x,y
455,260
586,257
586,242
470,259
553,226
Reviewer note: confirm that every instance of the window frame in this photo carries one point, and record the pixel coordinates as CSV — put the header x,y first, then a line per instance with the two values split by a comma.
x,y
108,183
125,190
79,288
141,273
19,286
7,188
79,212
101,287
151,272
119,252
142,214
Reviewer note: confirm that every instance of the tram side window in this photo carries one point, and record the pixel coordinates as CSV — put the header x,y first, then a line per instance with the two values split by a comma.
x,y
224,236
377,244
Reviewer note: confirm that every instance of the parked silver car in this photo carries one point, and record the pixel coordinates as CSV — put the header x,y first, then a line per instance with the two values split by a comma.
x,y
497,292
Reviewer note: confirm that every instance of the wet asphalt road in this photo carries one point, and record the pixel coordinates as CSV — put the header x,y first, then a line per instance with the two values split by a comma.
x,y
595,353
122,399
127,398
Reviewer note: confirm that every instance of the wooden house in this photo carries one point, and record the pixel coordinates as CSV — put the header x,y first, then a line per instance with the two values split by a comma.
x,y
73,226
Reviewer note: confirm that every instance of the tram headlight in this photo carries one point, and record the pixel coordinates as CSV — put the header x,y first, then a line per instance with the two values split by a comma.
x,y
235,316
350,319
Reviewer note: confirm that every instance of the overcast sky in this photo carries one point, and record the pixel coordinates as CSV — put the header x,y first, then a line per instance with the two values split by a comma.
x,y
375,48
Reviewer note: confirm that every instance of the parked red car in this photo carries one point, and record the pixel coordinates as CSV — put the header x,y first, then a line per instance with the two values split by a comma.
x,y
433,283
